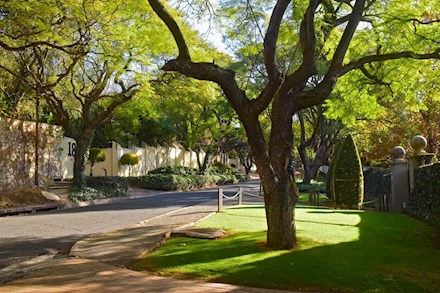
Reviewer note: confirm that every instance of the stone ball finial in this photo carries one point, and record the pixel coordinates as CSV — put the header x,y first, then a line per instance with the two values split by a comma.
x,y
419,143
398,152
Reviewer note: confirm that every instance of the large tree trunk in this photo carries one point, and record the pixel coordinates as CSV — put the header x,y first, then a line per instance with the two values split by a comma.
x,y
280,194
83,143
281,233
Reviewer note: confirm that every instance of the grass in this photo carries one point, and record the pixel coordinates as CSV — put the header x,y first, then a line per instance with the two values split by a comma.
x,y
340,250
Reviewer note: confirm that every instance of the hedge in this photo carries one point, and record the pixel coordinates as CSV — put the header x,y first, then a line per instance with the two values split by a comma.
x,y
346,182
180,182
424,200
101,187
314,186
176,170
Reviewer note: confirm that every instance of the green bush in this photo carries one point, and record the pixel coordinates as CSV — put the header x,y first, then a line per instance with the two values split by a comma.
x,y
242,177
164,182
101,187
346,182
174,170
112,185
424,200
307,187
328,183
219,168
180,182
129,159
95,155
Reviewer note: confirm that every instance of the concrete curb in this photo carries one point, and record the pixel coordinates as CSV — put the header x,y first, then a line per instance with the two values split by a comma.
x,y
75,251
30,209
19,270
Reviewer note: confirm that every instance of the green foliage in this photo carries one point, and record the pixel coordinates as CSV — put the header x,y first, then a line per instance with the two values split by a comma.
x,y
161,181
346,184
96,155
100,187
424,201
219,168
328,184
174,170
312,186
242,177
129,159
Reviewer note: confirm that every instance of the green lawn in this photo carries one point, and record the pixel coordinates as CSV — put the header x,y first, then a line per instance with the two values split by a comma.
x,y
340,250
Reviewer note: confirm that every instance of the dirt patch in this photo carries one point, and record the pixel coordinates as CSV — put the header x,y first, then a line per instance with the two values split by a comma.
x,y
22,197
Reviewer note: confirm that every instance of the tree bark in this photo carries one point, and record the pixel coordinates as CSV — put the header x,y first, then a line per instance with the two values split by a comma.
x,y
83,143
281,232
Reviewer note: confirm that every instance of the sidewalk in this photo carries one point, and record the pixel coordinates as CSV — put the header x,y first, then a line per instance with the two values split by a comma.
x,y
96,264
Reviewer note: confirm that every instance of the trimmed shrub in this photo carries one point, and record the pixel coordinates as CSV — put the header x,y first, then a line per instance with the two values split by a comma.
x,y
314,186
175,170
219,168
424,200
101,187
328,182
165,182
346,182
95,155
112,185
179,182
242,177
129,159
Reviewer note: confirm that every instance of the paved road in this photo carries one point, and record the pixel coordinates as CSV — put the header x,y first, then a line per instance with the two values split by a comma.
x,y
27,236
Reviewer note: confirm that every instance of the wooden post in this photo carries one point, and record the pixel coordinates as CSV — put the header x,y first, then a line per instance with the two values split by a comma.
x,y
220,199
240,196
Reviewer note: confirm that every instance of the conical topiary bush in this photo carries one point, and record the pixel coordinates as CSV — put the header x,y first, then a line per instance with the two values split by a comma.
x,y
346,180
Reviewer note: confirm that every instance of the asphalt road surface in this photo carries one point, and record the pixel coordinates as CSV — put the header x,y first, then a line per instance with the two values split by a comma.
x,y
26,236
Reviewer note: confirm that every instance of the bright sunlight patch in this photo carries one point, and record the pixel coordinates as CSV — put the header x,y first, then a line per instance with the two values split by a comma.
x,y
341,250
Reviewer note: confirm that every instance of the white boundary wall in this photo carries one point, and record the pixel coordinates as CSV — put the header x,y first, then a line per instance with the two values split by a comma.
x,y
150,158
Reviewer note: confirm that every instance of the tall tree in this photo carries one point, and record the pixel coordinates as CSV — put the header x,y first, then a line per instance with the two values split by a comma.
x,y
336,25
80,59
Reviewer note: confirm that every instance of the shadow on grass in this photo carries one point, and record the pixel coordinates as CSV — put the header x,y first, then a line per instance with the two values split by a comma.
x,y
338,250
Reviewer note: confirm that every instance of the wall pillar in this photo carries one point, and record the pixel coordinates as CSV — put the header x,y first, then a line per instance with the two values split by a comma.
x,y
399,181
419,158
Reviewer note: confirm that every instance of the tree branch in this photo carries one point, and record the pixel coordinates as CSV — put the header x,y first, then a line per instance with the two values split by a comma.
x,y
385,57
271,37
223,77
345,40
169,21
308,36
